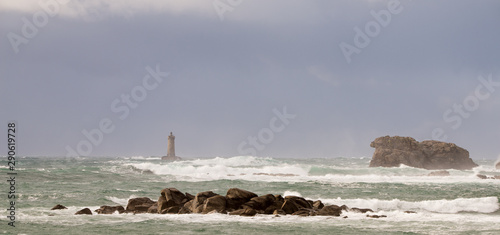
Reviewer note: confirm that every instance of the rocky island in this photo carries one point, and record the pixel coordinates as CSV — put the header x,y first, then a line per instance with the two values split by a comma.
x,y
429,154
236,202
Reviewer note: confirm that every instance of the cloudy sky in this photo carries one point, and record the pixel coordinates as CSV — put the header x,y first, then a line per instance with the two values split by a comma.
x,y
280,78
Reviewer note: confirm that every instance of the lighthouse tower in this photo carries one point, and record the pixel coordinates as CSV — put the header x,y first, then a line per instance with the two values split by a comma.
x,y
171,145
171,149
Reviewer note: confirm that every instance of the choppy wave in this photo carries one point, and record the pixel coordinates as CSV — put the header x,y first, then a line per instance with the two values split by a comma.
x,y
480,205
120,201
247,168
277,170
461,202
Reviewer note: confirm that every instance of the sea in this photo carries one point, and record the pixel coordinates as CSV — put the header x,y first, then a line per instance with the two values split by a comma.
x,y
460,203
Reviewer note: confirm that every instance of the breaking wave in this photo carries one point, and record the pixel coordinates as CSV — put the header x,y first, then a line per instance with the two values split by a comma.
x,y
479,205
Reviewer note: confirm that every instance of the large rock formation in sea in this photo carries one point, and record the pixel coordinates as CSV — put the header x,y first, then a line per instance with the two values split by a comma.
x,y
235,202
498,165
429,154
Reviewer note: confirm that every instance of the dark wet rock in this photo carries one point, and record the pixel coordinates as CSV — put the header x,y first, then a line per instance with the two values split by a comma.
x,y
318,205
186,208
260,203
439,173
173,194
110,209
410,212
248,212
429,154
482,176
355,209
277,204
244,212
279,212
171,197
331,210
199,201
292,204
189,197
172,201
270,209
84,211
139,205
216,203
279,198
305,212
59,207
153,209
171,210
237,197
376,216
236,193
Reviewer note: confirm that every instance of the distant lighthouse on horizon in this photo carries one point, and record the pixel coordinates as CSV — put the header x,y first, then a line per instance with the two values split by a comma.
x,y
171,149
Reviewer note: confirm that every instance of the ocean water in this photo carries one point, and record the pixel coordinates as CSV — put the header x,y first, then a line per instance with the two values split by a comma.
x,y
457,204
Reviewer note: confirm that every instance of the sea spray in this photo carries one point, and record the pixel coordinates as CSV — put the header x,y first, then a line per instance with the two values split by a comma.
x,y
479,205
457,204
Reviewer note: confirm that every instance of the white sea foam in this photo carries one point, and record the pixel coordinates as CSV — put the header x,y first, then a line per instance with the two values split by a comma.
x,y
480,205
120,201
67,217
403,166
246,168
276,170
232,161
292,193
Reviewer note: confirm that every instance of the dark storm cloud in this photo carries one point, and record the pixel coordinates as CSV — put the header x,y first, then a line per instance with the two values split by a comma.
x,y
226,77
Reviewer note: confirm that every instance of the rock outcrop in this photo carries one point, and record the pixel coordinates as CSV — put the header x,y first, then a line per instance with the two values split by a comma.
x,y
236,202
59,207
429,154
84,211
171,158
485,177
497,166
110,209
140,205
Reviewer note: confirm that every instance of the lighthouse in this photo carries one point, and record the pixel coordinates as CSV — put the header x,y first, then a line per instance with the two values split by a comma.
x,y
171,149
171,145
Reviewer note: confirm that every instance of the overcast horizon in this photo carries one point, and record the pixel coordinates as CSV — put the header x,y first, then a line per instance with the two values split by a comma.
x,y
298,79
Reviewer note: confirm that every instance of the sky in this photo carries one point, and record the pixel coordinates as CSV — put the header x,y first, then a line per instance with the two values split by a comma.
x,y
279,78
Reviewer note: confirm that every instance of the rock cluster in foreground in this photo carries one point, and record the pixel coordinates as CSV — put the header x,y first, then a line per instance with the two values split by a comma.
x,y
429,154
235,202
